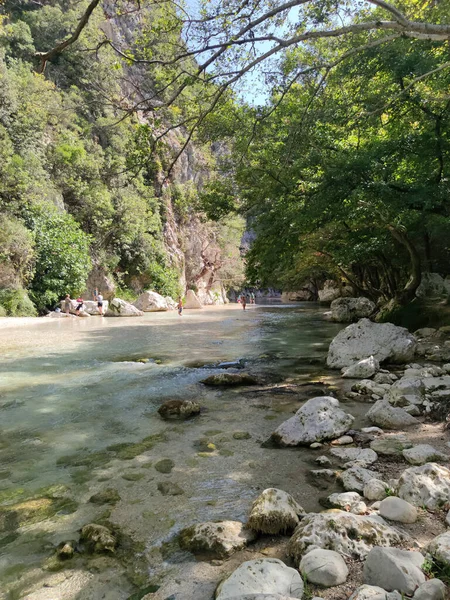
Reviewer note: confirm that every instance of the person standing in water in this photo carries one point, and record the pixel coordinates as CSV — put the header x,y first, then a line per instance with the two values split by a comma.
x,y
79,306
95,295
180,306
100,303
243,301
67,304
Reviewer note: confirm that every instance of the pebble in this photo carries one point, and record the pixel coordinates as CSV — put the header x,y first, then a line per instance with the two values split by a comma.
x,y
342,441
316,445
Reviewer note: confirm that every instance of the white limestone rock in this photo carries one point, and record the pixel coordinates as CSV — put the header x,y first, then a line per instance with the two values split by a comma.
x,y
324,567
355,478
349,310
363,369
375,489
396,509
398,569
383,341
273,512
428,485
369,387
317,420
433,589
387,416
374,430
261,576
323,461
220,538
344,532
424,453
348,501
405,391
439,548
120,308
387,378
372,592
150,301
192,301
364,456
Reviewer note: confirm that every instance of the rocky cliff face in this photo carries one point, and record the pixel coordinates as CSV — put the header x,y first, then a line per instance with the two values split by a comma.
x,y
197,248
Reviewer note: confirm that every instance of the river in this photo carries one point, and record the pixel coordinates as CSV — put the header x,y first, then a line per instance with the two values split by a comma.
x,y
78,411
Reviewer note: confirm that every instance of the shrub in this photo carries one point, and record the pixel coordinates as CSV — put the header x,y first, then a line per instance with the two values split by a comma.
x,y
16,303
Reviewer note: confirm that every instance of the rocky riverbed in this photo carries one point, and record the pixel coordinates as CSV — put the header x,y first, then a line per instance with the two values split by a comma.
x,y
129,499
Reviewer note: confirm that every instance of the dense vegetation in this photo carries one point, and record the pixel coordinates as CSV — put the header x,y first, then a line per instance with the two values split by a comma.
x,y
343,174
347,175
79,184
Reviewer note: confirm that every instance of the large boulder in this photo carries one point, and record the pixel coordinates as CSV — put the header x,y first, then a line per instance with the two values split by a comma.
x,y
330,291
99,280
363,369
397,569
120,308
428,486
326,568
344,532
433,285
387,416
318,419
261,576
192,300
151,302
219,539
91,307
383,341
274,511
349,310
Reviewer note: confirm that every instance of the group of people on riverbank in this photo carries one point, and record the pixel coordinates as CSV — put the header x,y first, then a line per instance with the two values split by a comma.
x,y
245,299
98,297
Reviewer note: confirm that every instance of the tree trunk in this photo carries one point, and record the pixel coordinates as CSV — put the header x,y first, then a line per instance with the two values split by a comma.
x,y
408,292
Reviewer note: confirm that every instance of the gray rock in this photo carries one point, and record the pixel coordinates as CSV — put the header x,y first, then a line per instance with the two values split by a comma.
x,y
370,388
355,478
274,511
433,589
362,455
363,369
229,380
348,310
348,501
323,461
168,488
390,417
192,300
428,485
324,567
164,465
151,302
220,539
371,592
439,548
424,453
383,341
375,489
407,391
179,409
261,576
390,446
374,430
344,532
121,308
398,569
396,509
317,420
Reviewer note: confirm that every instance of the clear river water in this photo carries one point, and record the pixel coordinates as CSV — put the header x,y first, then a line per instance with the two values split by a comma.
x,y
79,412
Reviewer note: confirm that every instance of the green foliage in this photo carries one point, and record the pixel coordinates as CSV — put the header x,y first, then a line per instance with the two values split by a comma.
x,y
163,279
16,252
16,303
62,257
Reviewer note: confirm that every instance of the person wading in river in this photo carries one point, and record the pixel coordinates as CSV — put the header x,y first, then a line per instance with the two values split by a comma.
x,y
180,306
243,301
79,306
67,303
100,303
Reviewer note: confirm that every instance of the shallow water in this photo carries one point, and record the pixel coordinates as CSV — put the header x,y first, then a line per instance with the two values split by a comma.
x,y
72,388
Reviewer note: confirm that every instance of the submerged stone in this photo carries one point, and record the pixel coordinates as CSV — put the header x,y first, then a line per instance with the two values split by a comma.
x,y
220,538
165,465
229,379
108,496
98,538
168,488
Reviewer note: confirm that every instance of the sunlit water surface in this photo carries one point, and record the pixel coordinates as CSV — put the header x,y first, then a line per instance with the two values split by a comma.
x,y
72,387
